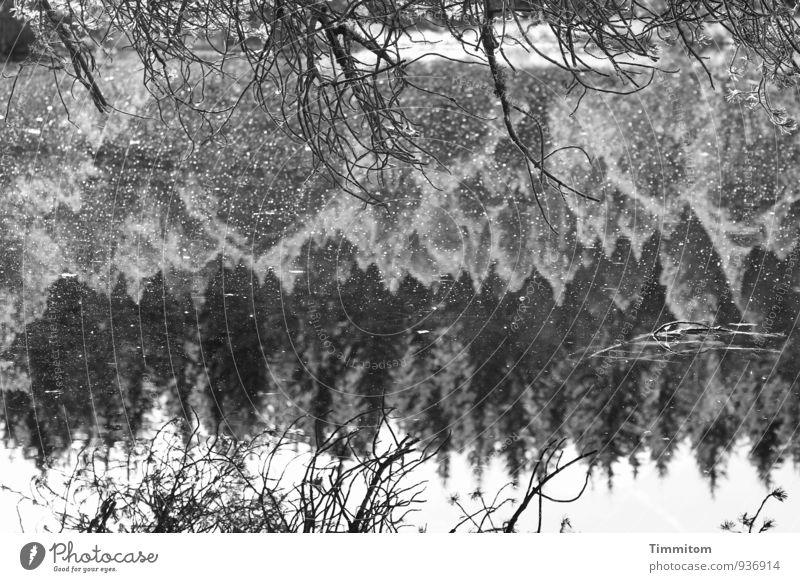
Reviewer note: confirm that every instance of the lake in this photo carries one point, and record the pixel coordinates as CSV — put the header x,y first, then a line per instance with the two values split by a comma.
x,y
231,285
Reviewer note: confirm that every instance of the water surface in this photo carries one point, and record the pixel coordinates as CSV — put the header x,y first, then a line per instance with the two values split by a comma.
x,y
143,281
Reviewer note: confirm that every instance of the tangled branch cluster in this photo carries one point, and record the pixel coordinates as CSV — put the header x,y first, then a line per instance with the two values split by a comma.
x,y
333,73
203,484
547,466
191,483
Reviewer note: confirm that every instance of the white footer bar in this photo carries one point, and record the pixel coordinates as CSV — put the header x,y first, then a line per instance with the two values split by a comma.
x,y
352,558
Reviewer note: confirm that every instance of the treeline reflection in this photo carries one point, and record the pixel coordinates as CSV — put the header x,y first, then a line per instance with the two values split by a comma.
x,y
469,364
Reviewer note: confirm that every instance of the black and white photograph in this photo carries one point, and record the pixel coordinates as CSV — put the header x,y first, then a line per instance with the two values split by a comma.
x,y
399,266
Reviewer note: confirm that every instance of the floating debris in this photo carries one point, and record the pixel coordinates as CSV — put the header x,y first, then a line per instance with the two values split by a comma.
x,y
694,337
